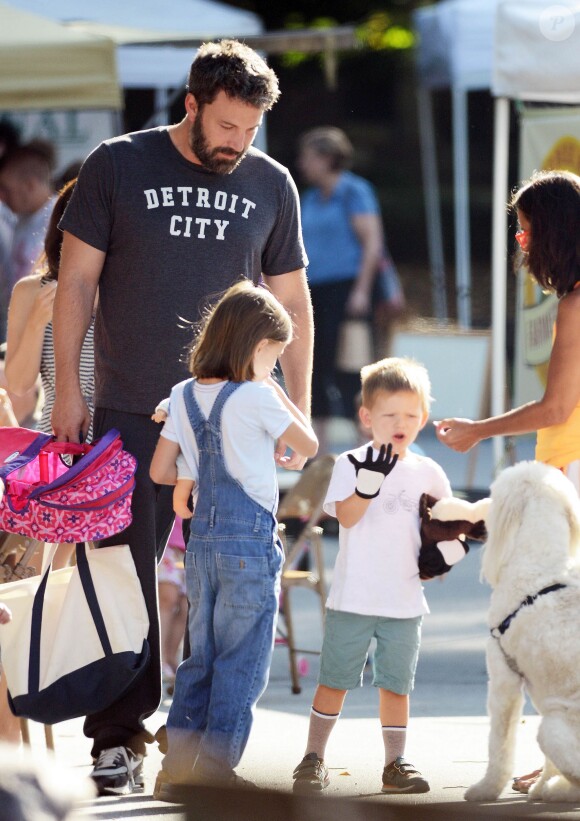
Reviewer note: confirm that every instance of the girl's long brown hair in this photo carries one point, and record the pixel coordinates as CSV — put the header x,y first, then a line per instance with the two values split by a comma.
x,y
50,259
229,333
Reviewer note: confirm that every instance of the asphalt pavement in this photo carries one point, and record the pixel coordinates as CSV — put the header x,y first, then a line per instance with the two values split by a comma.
x,y
447,737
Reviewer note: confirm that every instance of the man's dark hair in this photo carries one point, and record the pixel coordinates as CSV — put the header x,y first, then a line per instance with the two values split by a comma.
x,y
236,69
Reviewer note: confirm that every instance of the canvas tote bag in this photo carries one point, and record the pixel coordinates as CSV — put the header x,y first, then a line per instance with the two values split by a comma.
x,y
78,636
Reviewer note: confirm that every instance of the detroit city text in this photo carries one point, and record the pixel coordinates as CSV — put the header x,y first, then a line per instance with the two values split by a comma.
x,y
187,196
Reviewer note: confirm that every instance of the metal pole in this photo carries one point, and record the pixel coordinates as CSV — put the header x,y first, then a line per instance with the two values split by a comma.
x,y
432,200
461,190
499,267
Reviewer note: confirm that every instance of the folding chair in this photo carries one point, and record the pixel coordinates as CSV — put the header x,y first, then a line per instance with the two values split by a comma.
x,y
16,553
299,513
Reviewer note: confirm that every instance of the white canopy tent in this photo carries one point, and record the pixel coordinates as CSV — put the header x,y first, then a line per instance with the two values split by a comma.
x,y
156,39
45,65
145,21
154,42
536,58
455,51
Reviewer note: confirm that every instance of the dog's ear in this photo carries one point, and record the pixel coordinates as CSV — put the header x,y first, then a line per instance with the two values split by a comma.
x,y
503,520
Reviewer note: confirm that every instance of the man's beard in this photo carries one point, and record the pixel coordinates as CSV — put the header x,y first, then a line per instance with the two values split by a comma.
x,y
208,157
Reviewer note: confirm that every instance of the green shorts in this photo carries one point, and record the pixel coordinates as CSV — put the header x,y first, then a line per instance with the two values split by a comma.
x,y
345,648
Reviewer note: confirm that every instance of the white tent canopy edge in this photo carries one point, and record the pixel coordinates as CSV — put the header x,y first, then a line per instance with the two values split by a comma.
x,y
43,64
143,21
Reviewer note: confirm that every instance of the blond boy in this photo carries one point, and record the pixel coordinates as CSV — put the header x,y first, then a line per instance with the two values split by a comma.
x,y
376,592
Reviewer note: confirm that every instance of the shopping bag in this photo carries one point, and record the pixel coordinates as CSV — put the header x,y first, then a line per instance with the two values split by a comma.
x,y
355,344
389,297
64,491
78,636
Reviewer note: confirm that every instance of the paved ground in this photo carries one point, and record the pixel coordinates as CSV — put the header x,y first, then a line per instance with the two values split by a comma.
x,y
447,737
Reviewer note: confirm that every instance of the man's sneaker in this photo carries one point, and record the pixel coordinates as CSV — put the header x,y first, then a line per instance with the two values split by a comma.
x,y
118,771
311,775
400,776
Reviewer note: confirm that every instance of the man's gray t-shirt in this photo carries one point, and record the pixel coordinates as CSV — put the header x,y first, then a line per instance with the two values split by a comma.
x,y
176,235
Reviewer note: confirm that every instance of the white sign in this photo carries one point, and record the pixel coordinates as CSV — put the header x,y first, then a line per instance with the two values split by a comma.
x,y
458,367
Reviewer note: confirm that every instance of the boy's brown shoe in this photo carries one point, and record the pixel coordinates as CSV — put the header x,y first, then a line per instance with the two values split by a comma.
x,y
400,776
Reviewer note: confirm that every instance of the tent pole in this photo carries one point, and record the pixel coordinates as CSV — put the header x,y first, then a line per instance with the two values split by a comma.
x,y
161,106
461,196
499,268
432,202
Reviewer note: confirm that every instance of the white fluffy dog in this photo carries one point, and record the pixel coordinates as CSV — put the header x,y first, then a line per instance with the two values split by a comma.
x,y
531,560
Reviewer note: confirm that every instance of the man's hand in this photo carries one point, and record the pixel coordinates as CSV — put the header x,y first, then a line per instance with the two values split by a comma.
x,y
291,462
370,474
70,418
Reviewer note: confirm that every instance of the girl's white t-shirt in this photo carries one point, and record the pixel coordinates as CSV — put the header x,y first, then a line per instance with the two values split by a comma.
x,y
376,571
253,418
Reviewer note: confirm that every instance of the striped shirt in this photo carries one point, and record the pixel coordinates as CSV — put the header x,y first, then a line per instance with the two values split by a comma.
x,y
47,375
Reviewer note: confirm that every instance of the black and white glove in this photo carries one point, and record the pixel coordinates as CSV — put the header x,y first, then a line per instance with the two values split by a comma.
x,y
370,474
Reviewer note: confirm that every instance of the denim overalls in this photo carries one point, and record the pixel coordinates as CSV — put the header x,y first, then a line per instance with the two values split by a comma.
x,y
233,564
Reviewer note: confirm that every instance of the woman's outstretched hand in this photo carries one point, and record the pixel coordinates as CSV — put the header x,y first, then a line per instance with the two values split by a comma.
x,y
457,434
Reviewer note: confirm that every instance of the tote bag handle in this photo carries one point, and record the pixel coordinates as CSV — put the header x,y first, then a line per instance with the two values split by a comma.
x,y
38,605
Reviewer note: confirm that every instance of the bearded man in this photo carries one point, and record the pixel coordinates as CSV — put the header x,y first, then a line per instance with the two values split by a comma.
x,y
162,221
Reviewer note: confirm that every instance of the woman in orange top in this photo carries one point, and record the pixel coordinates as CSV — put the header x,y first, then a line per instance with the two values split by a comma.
x,y
548,211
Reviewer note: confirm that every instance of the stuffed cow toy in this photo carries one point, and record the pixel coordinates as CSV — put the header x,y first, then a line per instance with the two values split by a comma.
x,y
446,524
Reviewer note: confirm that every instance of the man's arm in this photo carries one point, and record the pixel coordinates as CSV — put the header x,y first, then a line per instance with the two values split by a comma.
x,y
79,274
293,292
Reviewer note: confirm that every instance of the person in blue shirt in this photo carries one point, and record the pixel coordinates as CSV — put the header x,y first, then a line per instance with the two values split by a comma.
x,y
343,236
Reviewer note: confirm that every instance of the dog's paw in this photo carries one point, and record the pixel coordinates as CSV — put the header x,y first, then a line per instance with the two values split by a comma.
x,y
557,788
482,791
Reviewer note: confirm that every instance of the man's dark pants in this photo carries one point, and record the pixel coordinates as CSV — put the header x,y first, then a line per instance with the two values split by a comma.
x,y
121,724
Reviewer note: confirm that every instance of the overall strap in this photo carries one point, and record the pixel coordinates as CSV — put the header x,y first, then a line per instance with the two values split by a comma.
x,y
218,406
194,413
197,420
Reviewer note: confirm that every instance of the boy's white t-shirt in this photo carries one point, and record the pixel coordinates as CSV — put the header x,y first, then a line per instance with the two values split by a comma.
x,y
253,418
376,571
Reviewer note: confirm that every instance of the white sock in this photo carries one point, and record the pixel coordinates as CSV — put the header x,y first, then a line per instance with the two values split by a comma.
x,y
394,739
321,725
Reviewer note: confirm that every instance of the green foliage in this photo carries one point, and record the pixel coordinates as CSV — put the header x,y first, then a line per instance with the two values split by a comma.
x,y
290,59
377,32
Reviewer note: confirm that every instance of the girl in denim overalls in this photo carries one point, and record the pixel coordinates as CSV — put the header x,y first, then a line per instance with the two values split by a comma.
x,y
224,422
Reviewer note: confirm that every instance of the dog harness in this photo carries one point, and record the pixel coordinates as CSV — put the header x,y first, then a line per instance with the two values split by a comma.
x,y
527,601
497,632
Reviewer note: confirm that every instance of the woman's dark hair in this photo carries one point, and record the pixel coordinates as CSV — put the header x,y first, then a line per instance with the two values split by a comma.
x,y
53,237
230,331
550,201
330,142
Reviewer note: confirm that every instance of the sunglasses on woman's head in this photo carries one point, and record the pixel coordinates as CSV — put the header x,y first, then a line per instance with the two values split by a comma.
x,y
523,238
